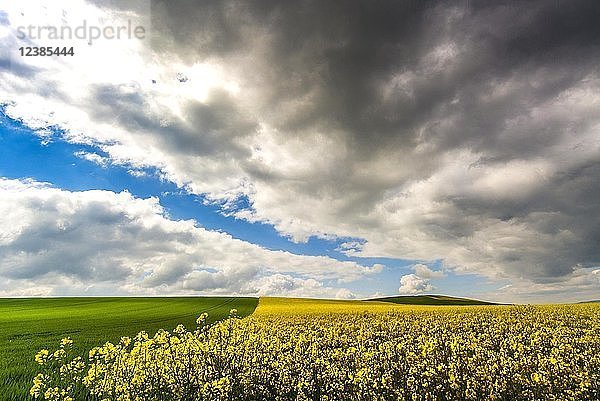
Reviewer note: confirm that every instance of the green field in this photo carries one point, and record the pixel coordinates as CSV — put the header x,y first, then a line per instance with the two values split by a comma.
x,y
28,325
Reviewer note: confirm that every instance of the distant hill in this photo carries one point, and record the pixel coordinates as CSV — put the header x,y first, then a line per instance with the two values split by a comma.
x,y
431,300
590,302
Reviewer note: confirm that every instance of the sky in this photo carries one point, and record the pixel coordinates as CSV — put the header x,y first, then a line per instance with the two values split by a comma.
x,y
338,149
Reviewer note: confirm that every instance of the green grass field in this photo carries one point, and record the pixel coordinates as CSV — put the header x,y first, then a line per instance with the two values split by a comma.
x,y
28,325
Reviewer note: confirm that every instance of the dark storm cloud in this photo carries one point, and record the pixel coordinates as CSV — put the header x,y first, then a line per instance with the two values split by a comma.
x,y
344,51
338,49
414,81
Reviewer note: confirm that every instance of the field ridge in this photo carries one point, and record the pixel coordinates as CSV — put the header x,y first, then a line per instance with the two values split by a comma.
x,y
430,300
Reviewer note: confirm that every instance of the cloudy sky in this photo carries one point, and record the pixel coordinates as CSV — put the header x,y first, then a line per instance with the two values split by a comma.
x,y
309,148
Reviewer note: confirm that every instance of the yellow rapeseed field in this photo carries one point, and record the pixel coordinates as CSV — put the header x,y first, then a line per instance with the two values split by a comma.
x,y
343,350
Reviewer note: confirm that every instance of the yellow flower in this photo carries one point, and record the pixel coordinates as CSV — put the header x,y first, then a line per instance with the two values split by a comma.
x,y
42,356
202,318
65,342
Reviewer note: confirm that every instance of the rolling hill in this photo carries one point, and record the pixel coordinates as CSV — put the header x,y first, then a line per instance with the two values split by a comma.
x,y
431,300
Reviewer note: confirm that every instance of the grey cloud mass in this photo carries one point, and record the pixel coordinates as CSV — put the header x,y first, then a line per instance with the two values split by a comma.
x,y
399,87
404,84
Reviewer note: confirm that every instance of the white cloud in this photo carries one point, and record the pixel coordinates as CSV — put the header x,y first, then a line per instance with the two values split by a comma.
x,y
411,284
94,158
424,271
344,293
582,285
62,242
